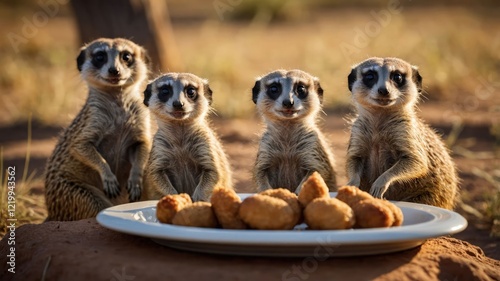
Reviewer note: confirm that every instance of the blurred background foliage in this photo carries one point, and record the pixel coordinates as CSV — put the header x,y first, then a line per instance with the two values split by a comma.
x,y
231,42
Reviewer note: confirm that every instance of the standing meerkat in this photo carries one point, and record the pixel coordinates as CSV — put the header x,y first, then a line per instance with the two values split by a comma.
x,y
104,150
187,156
392,153
292,146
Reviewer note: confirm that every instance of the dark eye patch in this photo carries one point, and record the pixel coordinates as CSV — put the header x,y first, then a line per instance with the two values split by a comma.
x,y
165,92
274,90
191,92
370,78
398,78
301,90
99,59
127,57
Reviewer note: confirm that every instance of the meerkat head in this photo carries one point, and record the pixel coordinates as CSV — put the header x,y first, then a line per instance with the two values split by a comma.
x,y
108,63
287,95
178,97
388,83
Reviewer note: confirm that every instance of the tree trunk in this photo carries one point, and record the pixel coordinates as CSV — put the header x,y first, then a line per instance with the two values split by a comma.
x,y
146,22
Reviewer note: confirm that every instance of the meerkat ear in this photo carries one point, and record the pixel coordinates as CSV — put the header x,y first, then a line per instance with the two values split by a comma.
x,y
208,93
255,91
417,79
80,60
319,90
147,94
351,78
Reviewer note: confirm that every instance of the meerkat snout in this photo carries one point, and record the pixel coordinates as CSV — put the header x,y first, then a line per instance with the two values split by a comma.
x,y
114,71
287,94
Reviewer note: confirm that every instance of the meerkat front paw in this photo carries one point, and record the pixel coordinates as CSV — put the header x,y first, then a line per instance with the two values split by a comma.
x,y
355,181
134,187
111,186
378,189
199,195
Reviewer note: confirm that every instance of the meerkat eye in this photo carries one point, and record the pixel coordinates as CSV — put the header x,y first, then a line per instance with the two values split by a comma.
x,y
191,92
164,93
127,57
99,58
274,90
398,78
370,78
301,91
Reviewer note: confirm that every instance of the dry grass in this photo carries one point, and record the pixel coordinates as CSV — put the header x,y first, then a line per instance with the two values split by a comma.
x,y
29,208
38,81
493,213
42,78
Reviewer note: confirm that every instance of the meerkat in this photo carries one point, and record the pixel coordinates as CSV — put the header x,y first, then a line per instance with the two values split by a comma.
x,y
292,146
392,153
187,156
99,159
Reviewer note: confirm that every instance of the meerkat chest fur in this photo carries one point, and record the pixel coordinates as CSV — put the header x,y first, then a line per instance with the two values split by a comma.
x,y
382,140
288,146
122,121
186,151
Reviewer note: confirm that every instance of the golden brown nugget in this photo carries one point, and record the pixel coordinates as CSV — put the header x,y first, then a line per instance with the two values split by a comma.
x,y
169,205
396,212
198,214
371,213
351,195
289,197
314,187
266,212
328,213
226,204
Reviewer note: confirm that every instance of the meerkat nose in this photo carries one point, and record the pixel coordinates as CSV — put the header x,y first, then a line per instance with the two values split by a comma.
x,y
177,104
383,91
113,71
287,103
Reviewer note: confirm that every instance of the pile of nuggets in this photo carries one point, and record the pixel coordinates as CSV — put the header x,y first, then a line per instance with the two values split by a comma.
x,y
281,209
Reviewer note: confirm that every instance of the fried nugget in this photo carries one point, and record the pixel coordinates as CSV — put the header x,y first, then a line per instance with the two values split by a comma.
x,y
328,213
396,212
351,195
226,204
373,213
169,205
314,187
266,212
289,197
198,214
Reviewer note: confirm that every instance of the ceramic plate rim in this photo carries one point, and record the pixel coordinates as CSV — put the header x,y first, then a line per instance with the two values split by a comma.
x,y
444,222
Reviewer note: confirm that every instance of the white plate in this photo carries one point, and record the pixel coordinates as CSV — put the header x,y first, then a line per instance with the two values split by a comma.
x,y
420,223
